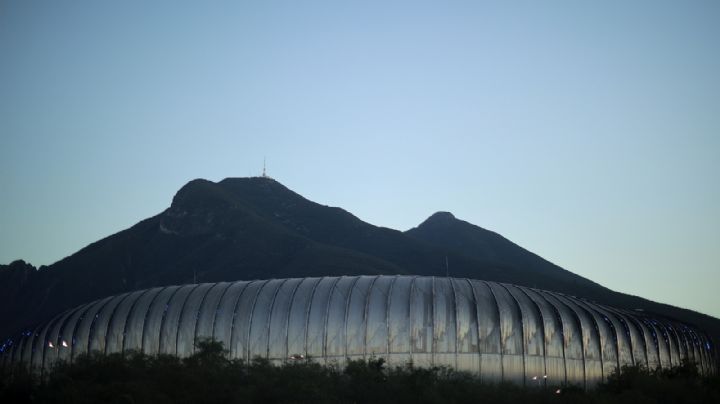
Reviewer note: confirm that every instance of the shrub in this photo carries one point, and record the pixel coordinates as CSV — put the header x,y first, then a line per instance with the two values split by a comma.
x,y
209,376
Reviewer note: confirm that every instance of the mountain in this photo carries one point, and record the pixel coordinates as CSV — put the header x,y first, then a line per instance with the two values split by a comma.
x,y
442,229
250,228
460,237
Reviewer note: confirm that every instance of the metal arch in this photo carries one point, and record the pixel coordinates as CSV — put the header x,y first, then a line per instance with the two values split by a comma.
x,y
628,333
681,341
712,353
45,340
563,334
287,319
78,320
9,345
30,347
666,337
530,319
627,320
411,317
577,309
9,351
92,329
706,345
111,320
455,318
542,330
497,311
399,321
477,321
673,346
365,314
201,306
387,313
12,348
252,316
162,318
219,302
347,310
25,346
578,323
20,347
307,313
698,343
594,313
612,319
327,315
188,318
641,330
189,314
433,300
269,318
561,323
145,319
86,325
689,351
522,331
239,339
697,355
180,315
682,355
129,313
17,350
654,333
60,337
573,317
701,354
244,286
536,298
259,344
421,306
655,338
6,353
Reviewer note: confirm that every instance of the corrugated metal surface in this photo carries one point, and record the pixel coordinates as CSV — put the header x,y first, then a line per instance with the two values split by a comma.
x,y
501,332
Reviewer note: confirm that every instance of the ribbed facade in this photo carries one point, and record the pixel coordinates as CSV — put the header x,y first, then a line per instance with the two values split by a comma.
x,y
500,331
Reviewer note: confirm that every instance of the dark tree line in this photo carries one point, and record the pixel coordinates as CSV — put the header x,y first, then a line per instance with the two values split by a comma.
x,y
209,377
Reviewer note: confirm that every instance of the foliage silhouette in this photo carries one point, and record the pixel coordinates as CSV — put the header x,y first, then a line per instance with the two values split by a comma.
x,y
209,376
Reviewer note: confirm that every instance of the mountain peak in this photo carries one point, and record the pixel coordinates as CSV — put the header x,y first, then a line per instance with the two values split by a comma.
x,y
205,193
441,216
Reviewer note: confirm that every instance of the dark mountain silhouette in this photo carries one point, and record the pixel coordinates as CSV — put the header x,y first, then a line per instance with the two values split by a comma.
x,y
442,229
250,228
460,237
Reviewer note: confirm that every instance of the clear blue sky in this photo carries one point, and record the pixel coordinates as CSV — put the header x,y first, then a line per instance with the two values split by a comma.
x,y
585,131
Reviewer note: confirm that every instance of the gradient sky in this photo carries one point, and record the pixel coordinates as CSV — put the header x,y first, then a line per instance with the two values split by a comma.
x,y
585,131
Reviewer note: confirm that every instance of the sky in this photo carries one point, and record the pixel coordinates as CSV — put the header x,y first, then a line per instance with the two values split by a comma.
x,y
585,131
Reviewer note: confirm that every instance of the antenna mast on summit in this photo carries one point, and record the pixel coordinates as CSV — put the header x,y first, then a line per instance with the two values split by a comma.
x,y
264,174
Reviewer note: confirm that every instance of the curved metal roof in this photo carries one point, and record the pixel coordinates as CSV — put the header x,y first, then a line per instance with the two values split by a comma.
x,y
500,331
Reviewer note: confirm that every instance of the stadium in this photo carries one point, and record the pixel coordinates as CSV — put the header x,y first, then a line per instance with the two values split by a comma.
x,y
501,332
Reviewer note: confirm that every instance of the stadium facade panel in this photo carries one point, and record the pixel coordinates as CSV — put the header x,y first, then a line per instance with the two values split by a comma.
x,y
501,332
